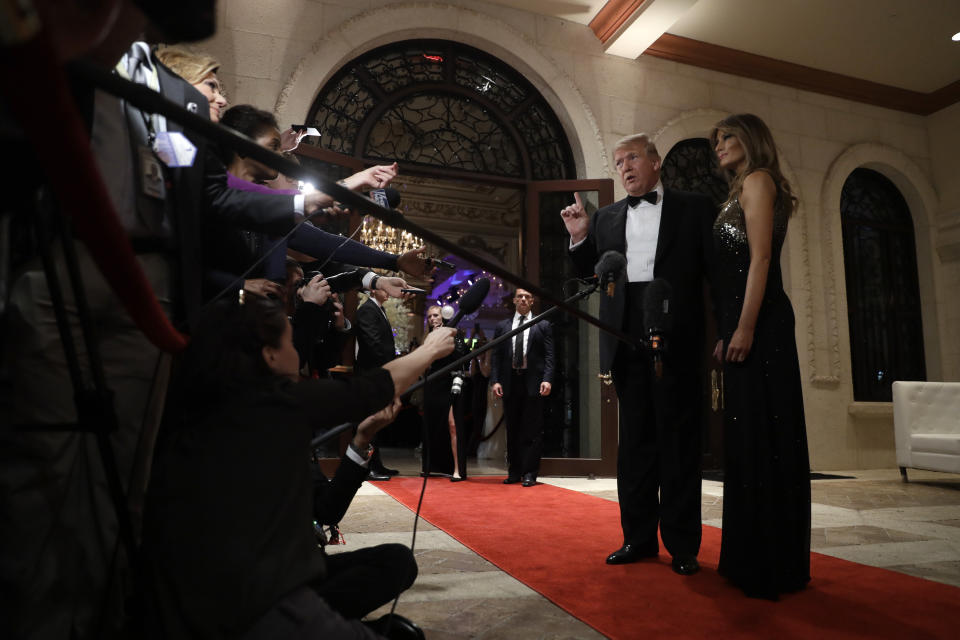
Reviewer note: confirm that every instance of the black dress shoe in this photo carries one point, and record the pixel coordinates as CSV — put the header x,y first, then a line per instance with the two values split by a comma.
x,y
395,627
685,565
529,480
509,480
456,479
377,477
630,553
387,471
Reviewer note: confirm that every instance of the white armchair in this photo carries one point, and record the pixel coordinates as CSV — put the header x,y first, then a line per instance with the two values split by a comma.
x,y
926,423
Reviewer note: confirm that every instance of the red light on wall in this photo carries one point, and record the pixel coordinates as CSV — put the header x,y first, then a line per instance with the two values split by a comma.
x,y
433,58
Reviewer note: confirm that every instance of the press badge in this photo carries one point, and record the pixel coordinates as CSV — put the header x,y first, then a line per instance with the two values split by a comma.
x,y
151,174
174,149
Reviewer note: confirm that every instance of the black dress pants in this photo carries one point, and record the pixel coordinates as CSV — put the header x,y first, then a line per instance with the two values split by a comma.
x,y
524,417
359,581
303,615
658,459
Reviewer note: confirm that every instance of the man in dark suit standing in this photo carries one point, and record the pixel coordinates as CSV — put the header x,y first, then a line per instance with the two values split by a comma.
x,y
663,234
523,375
375,348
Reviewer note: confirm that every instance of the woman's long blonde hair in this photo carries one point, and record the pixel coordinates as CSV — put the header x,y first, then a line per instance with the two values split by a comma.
x,y
760,154
432,306
192,67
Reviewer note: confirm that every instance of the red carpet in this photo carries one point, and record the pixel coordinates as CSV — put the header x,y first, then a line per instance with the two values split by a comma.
x,y
555,541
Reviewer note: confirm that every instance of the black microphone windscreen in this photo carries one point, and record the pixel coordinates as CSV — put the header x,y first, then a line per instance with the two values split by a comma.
x,y
344,281
657,314
610,265
473,298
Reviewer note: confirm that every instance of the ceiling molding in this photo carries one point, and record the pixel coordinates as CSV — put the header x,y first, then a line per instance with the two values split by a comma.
x,y
740,63
612,16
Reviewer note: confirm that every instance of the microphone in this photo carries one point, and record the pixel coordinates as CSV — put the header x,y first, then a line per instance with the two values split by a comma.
x,y
608,269
657,319
388,197
470,301
437,262
339,282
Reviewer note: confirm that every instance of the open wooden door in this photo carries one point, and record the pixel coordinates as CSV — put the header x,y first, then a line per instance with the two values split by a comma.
x,y
580,426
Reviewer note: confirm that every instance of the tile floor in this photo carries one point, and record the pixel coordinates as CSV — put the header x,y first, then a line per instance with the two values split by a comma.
x,y
873,519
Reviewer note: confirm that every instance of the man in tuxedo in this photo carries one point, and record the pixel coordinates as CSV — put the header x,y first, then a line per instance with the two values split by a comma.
x,y
663,234
375,348
522,375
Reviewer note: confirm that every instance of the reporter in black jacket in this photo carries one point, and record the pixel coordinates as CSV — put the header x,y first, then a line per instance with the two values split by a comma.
x,y
229,550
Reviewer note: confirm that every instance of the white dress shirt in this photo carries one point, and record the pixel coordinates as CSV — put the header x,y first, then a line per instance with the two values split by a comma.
x,y
525,333
642,231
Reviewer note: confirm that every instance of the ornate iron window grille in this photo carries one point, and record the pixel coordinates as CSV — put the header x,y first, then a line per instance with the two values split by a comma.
x,y
438,103
883,293
690,166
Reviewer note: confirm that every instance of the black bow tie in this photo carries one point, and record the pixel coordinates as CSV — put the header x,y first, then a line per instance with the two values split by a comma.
x,y
633,201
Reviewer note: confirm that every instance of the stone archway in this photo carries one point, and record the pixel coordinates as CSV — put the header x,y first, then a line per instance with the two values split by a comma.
x,y
923,203
397,22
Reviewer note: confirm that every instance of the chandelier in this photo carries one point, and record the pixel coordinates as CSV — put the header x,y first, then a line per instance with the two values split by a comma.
x,y
383,237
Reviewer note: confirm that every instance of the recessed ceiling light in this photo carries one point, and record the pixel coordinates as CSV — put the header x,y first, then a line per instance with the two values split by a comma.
x,y
956,37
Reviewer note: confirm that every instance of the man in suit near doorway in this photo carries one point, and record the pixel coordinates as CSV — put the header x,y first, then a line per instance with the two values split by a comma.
x,y
663,234
522,375
375,348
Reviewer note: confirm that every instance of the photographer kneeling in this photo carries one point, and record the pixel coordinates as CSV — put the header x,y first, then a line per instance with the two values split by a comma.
x,y
229,549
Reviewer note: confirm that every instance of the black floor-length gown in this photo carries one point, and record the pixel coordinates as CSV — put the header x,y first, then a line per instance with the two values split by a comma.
x,y
765,548
437,400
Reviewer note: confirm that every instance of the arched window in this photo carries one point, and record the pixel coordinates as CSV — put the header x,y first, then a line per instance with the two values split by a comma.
x,y
883,296
690,166
441,104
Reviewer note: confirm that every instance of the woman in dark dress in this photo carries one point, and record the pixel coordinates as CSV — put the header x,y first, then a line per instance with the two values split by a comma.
x,y
765,548
443,453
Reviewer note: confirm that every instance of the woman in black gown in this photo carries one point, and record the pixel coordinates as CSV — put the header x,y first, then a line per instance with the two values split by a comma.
x,y
765,548
444,445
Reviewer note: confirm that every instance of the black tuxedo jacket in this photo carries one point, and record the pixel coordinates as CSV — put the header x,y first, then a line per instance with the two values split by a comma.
x,y
683,258
375,346
540,360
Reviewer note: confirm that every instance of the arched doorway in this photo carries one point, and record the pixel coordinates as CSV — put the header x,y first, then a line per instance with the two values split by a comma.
x,y
483,159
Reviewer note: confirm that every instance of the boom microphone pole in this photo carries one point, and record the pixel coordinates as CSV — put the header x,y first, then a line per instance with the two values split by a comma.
x,y
151,101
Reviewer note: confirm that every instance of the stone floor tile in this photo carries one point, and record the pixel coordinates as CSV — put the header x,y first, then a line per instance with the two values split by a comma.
x,y
865,535
444,561
946,572
891,554
380,513
456,586
818,538
530,617
949,523
434,539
